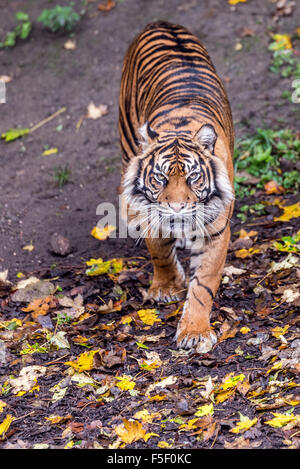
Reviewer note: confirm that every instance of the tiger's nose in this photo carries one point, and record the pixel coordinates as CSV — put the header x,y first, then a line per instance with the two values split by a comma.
x,y
176,206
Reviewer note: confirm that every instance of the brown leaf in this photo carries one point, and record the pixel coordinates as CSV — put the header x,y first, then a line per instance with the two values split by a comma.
x,y
107,6
228,330
247,32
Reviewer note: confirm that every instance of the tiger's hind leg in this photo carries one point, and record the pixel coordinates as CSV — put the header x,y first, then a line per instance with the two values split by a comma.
x,y
168,276
207,263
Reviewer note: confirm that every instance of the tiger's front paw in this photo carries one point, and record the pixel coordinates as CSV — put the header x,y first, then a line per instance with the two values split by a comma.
x,y
166,293
190,335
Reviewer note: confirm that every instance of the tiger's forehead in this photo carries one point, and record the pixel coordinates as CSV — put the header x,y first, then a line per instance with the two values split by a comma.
x,y
177,155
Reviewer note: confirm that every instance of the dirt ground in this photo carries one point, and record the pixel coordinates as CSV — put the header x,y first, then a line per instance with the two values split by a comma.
x,y
47,77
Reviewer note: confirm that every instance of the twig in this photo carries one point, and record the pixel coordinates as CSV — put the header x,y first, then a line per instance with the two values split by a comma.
x,y
48,119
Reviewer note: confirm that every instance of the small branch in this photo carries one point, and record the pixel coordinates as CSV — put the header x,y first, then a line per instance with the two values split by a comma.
x,y
48,119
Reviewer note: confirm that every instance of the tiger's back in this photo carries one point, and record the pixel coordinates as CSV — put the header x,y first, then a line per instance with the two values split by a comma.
x,y
169,80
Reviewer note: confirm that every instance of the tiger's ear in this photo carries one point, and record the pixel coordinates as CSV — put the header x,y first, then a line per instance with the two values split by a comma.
x,y
148,135
207,137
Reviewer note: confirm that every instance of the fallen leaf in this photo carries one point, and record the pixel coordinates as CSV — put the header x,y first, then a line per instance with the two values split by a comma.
x,y
100,267
280,420
242,253
244,424
279,331
148,316
29,247
106,6
70,44
95,112
130,431
27,378
103,233
235,2
207,409
289,212
245,330
14,134
84,362
272,187
50,151
125,383
281,41
4,426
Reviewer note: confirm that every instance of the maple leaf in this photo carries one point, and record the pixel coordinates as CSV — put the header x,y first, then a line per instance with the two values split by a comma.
x,y
148,316
130,431
84,362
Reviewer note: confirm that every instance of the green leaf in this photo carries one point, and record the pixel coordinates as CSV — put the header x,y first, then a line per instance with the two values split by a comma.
x,y
14,134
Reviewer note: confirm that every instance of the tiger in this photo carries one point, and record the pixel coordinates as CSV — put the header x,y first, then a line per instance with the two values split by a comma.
x,y
177,140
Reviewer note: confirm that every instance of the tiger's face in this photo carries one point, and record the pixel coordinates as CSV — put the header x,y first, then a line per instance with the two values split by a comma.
x,y
177,183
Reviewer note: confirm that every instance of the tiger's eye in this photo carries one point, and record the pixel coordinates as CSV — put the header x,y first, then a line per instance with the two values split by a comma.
x,y
193,177
159,177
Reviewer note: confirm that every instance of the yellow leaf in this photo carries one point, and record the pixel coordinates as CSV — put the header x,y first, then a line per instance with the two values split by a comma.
x,y
283,41
242,253
125,383
148,435
235,2
245,330
4,426
278,331
243,425
280,420
144,416
84,362
158,397
207,409
2,405
57,418
222,396
99,267
103,233
163,444
69,445
148,316
232,381
289,212
29,247
245,234
130,431
51,151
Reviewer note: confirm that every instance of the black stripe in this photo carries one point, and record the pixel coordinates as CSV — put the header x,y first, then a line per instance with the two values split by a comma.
x,y
205,287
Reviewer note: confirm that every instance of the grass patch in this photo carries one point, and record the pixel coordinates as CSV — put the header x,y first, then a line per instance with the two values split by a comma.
x,y
269,155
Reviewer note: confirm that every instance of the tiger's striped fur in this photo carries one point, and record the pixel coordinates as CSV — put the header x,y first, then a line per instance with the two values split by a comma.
x,y
176,135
